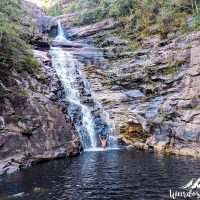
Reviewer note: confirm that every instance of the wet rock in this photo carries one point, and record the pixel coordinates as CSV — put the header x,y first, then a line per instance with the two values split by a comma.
x,y
42,56
189,114
152,41
134,94
192,36
48,23
153,107
66,44
194,71
117,87
187,104
187,151
2,122
66,18
40,190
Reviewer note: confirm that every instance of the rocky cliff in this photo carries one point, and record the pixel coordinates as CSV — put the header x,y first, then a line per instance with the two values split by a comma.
x,y
33,122
150,90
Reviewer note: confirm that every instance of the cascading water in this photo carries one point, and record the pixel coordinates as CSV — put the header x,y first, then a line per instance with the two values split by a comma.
x,y
69,72
61,34
112,142
66,70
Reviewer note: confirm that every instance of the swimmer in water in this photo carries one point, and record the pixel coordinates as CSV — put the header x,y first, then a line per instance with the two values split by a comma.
x,y
103,141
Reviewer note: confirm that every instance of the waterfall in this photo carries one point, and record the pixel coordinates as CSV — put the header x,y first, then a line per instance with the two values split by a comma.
x,y
113,141
70,74
66,69
61,34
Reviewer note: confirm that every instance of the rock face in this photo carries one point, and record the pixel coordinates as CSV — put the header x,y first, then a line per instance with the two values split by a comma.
x,y
92,29
39,24
34,124
152,92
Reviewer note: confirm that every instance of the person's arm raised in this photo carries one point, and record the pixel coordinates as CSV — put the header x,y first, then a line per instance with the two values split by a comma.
x,y
107,137
100,137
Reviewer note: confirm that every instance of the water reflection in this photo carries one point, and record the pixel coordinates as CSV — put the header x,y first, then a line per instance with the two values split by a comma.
x,y
103,175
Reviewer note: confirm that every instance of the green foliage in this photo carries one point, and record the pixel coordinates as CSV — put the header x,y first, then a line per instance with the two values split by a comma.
x,y
12,10
197,14
23,91
30,61
173,69
55,10
140,17
92,16
118,8
197,19
153,85
94,11
14,52
82,5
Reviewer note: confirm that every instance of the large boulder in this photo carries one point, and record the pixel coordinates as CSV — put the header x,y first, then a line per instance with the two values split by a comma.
x,y
42,26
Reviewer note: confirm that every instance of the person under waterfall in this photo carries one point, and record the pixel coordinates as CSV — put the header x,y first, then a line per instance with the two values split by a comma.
x,y
103,140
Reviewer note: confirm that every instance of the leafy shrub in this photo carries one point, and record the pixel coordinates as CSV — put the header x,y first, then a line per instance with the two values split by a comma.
x,y
12,10
197,14
120,8
14,50
166,14
91,17
55,10
32,62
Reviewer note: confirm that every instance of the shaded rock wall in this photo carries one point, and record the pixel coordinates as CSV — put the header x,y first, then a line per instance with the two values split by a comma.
x,y
33,122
